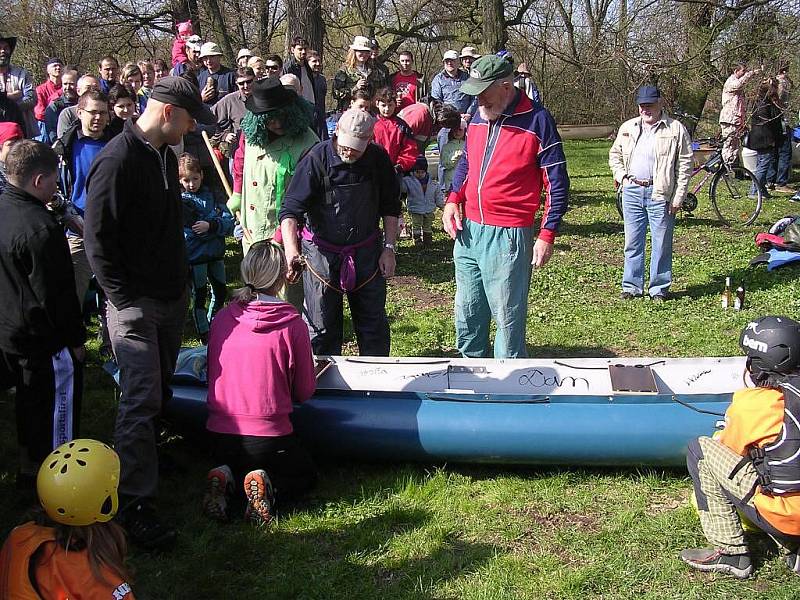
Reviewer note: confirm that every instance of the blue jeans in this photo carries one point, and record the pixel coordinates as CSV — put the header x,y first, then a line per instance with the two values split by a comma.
x,y
203,274
493,275
763,162
781,165
639,210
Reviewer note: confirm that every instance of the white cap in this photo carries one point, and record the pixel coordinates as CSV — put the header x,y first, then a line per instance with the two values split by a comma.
x,y
242,53
210,49
469,51
450,55
361,42
194,42
355,129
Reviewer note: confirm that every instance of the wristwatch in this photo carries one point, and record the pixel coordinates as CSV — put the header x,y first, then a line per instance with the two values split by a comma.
x,y
389,246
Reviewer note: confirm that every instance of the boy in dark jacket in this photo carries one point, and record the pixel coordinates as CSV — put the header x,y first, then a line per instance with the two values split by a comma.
x,y
41,329
206,222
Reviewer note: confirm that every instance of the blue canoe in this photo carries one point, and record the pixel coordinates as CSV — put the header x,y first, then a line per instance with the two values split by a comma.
x,y
568,412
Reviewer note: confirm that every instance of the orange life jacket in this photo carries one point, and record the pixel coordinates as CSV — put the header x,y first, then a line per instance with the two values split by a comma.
x,y
755,419
60,574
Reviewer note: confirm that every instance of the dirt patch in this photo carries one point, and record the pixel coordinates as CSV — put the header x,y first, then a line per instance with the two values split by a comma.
x,y
423,297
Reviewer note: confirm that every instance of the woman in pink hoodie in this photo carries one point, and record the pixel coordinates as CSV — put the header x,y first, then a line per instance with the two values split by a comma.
x,y
259,363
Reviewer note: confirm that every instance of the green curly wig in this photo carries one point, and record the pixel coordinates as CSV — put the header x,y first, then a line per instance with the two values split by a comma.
x,y
296,117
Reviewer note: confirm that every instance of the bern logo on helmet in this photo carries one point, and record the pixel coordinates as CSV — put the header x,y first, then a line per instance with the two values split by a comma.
x,y
754,344
475,74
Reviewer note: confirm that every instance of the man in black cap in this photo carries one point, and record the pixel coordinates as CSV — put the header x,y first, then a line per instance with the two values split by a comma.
x,y
134,242
652,160
16,84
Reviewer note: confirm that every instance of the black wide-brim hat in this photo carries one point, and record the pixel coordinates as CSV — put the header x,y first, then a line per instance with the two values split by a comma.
x,y
12,41
269,94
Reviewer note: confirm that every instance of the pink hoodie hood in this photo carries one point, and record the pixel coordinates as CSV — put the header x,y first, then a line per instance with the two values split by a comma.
x,y
261,317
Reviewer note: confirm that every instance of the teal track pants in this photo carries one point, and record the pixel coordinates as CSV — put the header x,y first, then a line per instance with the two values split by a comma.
x,y
493,275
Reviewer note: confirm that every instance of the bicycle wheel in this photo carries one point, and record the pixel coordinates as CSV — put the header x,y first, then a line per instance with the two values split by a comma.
x,y
736,196
619,201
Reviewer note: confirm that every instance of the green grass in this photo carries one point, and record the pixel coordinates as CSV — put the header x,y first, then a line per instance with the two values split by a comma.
x,y
484,532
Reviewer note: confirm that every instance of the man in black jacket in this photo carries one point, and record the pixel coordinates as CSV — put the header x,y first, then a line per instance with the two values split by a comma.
x,y
41,329
297,64
134,241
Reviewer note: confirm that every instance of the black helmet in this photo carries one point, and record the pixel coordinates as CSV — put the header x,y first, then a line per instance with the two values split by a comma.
x,y
772,344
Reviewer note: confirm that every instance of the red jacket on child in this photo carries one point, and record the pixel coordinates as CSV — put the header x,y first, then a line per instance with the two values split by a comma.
x,y
394,136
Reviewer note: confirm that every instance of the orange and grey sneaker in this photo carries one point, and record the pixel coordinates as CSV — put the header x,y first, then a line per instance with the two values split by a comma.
x,y
260,497
710,559
219,489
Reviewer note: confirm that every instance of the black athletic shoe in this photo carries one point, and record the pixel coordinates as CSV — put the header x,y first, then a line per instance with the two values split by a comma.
x,y
793,562
710,559
629,296
144,528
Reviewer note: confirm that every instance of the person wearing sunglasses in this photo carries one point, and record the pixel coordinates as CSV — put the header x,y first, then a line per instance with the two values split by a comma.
x,y
231,110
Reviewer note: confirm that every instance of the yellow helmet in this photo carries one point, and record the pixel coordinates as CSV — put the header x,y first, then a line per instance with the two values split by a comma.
x,y
77,483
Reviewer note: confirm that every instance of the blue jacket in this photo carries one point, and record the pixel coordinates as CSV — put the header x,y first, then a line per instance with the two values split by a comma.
x,y
422,202
447,90
201,206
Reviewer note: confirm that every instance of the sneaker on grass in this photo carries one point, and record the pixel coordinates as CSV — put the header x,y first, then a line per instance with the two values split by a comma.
x,y
144,528
260,497
793,562
710,559
219,489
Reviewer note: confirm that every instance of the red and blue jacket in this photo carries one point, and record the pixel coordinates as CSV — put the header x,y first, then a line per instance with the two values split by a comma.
x,y
506,165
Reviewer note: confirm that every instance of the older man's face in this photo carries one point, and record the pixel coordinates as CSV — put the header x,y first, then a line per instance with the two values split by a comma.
x,y
650,112
493,100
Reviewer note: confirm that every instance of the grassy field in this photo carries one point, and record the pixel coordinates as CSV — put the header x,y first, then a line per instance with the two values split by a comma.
x,y
480,532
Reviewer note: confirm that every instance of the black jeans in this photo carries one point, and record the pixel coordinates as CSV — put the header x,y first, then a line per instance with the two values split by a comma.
x,y
284,458
47,401
324,307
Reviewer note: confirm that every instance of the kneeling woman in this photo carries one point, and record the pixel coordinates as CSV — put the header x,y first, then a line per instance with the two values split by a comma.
x,y
259,362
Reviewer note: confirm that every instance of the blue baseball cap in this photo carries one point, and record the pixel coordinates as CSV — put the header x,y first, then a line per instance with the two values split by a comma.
x,y
648,94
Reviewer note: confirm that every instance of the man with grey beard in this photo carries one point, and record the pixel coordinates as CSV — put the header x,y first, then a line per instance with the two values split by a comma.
x,y
341,191
513,154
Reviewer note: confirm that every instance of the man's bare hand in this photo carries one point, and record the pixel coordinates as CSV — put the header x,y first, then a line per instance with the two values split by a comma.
x,y
387,263
542,251
451,219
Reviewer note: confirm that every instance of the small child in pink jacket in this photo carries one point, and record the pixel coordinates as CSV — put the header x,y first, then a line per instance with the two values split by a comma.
x,y
179,43
259,363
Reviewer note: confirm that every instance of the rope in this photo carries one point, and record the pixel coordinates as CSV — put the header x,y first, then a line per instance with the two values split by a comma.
x,y
328,284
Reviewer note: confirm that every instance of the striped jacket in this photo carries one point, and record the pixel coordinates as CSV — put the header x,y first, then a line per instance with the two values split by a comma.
x,y
506,165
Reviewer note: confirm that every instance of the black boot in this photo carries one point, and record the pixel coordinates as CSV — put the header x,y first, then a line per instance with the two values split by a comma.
x,y
427,239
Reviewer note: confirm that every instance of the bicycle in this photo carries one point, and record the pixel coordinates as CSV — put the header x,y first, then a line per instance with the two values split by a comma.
x,y
730,191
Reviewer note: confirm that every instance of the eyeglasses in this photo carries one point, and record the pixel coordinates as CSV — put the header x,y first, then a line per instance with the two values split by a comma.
x,y
271,67
244,82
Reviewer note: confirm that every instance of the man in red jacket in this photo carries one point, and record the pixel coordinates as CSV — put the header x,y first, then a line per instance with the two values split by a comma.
x,y
513,152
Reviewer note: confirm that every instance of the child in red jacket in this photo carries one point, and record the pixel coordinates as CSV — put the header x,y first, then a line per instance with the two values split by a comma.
x,y
259,363
392,133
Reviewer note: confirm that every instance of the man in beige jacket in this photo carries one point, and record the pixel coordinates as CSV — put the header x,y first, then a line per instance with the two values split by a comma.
x,y
732,114
652,160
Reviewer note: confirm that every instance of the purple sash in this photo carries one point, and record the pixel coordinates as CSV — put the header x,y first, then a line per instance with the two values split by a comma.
x,y
347,270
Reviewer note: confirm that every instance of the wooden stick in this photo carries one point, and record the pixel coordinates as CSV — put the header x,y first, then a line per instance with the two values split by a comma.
x,y
228,190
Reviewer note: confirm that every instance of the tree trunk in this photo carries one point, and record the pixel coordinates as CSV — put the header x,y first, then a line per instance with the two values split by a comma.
x,y
694,81
494,31
304,19
220,31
